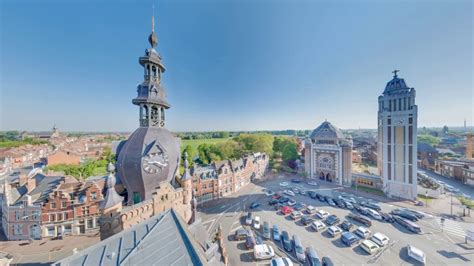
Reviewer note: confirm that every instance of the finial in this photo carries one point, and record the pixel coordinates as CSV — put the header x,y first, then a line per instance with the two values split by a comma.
x,y
395,73
153,18
185,160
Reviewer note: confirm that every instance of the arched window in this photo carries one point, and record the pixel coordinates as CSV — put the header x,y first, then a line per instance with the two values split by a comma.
x,y
162,114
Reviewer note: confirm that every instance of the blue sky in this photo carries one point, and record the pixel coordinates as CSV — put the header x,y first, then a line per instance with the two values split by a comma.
x,y
233,65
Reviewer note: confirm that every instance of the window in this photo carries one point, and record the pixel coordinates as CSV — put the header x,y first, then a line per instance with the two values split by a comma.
x,y
52,218
63,205
36,215
60,216
66,216
18,215
94,195
25,215
85,210
17,228
53,205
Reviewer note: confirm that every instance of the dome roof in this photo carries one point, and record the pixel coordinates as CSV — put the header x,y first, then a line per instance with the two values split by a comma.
x,y
396,84
327,131
149,157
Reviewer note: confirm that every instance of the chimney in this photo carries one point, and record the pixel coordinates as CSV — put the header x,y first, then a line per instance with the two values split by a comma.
x,y
28,200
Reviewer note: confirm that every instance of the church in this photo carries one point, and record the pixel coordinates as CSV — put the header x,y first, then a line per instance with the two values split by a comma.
x,y
328,155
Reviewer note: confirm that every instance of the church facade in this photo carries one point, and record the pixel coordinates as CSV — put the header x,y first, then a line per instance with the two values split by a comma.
x,y
147,162
328,155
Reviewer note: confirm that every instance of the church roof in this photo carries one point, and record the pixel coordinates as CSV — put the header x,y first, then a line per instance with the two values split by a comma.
x,y
396,85
139,246
327,131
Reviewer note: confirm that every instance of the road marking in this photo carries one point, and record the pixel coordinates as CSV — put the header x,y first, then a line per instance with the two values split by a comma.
x,y
451,227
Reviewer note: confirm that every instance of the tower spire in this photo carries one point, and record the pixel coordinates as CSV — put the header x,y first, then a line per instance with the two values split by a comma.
x,y
153,18
152,38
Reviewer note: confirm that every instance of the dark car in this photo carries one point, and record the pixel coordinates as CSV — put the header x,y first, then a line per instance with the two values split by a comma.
x,y
241,234
346,225
418,215
405,215
349,238
312,257
357,207
312,194
332,220
339,203
284,199
387,217
326,261
299,206
360,219
276,196
266,230
258,240
250,241
278,206
295,180
320,197
330,201
306,219
286,241
254,205
371,205
273,202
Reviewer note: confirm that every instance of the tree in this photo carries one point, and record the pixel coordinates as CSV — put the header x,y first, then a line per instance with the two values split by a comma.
x,y
191,152
433,141
290,152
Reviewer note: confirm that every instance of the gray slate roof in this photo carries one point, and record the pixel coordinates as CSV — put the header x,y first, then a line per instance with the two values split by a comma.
x,y
45,185
327,131
160,240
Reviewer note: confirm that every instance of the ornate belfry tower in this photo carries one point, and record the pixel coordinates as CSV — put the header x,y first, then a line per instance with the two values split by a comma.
x,y
150,156
151,94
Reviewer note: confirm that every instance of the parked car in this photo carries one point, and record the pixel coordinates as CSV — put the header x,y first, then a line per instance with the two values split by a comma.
x,y
369,246
266,230
263,252
284,199
256,223
332,220
312,194
283,184
318,225
303,192
299,250
258,240
334,230
296,180
276,233
248,219
313,258
326,261
306,219
273,202
349,205
380,239
254,205
387,217
285,210
286,242
412,226
360,219
371,205
418,214
299,206
250,242
320,197
289,193
278,206
349,239
404,214
374,214
291,202
312,183
330,201
269,193
295,215
416,254
346,225
362,232
276,196
321,214
281,262
310,209
241,234
339,203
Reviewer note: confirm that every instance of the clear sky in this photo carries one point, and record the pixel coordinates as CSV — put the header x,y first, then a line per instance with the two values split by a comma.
x,y
233,65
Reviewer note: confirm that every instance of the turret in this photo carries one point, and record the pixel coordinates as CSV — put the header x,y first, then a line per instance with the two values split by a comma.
x,y
186,181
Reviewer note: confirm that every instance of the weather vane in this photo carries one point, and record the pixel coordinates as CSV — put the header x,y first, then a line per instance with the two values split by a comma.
x,y
395,73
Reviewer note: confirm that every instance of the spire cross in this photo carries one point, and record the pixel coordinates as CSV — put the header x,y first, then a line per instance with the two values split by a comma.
x,y
395,73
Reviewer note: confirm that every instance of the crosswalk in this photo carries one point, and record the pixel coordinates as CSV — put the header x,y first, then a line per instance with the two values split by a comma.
x,y
451,227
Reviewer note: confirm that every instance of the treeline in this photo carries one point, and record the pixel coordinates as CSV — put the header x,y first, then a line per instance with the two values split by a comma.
x,y
225,134
12,139
284,148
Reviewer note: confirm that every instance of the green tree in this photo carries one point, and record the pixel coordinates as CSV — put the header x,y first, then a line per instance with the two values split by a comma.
x,y
290,151
433,141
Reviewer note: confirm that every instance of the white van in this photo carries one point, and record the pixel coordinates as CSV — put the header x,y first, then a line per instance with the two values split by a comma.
x,y
380,239
373,213
363,232
256,222
263,252
369,246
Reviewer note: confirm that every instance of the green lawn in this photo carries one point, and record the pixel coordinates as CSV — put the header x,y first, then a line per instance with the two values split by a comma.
x,y
369,190
196,142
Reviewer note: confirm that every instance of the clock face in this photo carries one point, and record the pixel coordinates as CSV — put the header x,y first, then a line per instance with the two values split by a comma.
x,y
154,162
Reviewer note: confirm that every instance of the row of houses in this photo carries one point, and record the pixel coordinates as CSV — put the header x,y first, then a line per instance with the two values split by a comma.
x,y
35,205
226,177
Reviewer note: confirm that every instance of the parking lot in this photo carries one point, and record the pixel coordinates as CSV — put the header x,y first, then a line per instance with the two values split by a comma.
x,y
438,248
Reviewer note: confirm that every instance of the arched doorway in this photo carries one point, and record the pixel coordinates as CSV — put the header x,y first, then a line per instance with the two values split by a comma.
x,y
321,176
328,177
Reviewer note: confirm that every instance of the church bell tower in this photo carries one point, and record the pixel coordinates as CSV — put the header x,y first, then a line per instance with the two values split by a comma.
x,y
151,96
